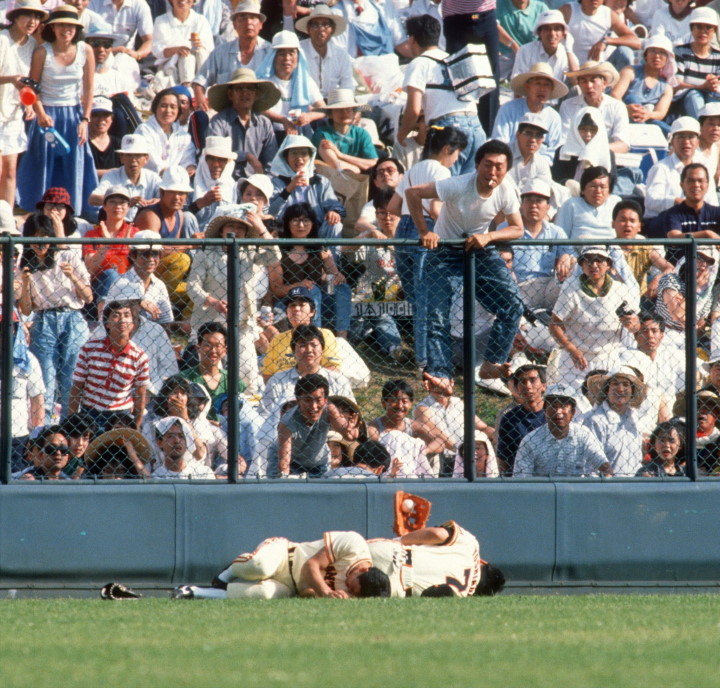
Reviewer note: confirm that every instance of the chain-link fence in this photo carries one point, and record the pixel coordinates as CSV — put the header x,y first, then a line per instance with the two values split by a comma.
x,y
245,360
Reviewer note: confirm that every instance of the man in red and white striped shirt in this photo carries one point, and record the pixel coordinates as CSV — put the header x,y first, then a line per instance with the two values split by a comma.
x,y
111,374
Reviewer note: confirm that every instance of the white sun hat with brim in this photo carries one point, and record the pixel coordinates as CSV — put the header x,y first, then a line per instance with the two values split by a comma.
x,y
593,68
259,181
7,220
550,18
175,178
343,98
230,213
220,147
248,7
153,237
534,119
267,93
704,15
285,39
685,124
134,144
560,391
660,41
711,109
540,70
321,12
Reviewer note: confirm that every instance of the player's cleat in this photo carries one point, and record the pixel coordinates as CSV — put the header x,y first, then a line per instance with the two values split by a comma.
x,y
118,591
183,592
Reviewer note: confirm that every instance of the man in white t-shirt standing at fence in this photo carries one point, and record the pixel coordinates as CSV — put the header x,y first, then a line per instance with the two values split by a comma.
x,y
471,205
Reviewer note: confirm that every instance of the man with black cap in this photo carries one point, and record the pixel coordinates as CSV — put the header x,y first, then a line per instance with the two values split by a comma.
x,y
560,447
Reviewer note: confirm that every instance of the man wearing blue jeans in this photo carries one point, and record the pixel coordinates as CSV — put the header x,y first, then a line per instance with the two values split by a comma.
x,y
471,204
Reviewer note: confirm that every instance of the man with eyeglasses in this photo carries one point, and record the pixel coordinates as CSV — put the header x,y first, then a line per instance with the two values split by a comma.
x,y
49,454
329,65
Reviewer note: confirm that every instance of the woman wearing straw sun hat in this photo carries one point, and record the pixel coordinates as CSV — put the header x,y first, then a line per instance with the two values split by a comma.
x,y
342,144
64,66
16,49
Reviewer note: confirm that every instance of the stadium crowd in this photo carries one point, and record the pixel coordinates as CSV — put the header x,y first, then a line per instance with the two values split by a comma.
x,y
165,122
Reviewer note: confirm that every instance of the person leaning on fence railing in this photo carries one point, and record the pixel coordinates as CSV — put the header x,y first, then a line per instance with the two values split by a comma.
x,y
174,438
471,203
48,454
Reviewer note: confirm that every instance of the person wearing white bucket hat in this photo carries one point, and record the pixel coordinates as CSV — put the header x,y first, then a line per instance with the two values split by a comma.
x,y
699,63
169,219
342,144
248,51
214,183
709,147
16,48
142,185
301,100
329,65
646,89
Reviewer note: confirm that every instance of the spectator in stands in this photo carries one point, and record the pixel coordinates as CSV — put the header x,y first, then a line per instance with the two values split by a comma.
x,y
182,41
106,262
49,459
470,204
175,440
517,23
110,77
599,33
527,381
444,146
586,146
615,421
64,68
314,269
239,102
295,181
585,321
55,287
119,454
529,164
663,180
667,453
709,146
590,215
408,441
16,48
707,433
593,78
672,18
484,456
102,144
550,47
144,260
698,63
535,89
371,459
169,219
340,143
644,88
214,183
445,413
560,447
540,269
170,145
307,343
302,431
387,174
79,431
142,185
111,374
301,102
670,304
440,106
229,56
131,20
208,281
211,350
328,64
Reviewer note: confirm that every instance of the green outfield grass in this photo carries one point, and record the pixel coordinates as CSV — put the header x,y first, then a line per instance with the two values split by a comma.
x,y
512,641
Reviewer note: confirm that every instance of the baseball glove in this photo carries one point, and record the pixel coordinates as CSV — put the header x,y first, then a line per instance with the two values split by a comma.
x,y
409,518
118,591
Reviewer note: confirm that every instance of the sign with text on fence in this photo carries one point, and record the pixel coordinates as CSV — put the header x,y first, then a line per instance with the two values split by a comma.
x,y
374,309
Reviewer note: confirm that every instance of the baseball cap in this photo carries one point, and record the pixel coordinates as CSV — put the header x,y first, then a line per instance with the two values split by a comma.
x,y
102,104
300,293
134,144
594,251
560,391
537,187
154,239
117,190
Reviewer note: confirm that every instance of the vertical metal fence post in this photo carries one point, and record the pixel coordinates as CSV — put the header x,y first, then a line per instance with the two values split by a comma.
x,y
691,358
233,358
6,342
469,364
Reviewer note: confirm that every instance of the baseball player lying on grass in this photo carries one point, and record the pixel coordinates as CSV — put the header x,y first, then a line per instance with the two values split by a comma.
x,y
432,562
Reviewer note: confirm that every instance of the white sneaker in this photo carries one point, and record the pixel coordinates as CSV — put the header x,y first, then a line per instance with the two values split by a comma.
x,y
492,384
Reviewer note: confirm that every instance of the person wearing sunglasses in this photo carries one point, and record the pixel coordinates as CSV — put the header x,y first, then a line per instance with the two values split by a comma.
x,y
49,453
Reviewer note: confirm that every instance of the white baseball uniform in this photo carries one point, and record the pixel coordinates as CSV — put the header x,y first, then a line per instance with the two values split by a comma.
x,y
413,568
275,568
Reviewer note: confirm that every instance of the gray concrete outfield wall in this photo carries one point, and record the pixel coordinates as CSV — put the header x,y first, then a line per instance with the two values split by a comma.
x,y
539,532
